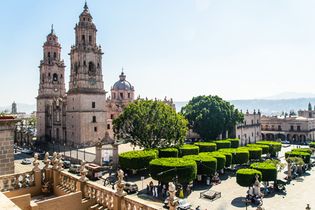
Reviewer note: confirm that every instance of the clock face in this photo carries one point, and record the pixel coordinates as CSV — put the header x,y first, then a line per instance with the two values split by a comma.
x,y
92,81
56,89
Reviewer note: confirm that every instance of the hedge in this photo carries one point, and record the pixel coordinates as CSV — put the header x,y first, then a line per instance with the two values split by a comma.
x,y
221,159
188,149
168,152
304,155
166,169
235,143
136,159
268,170
239,156
312,144
228,158
222,144
246,177
264,147
206,146
274,147
206,165
254,152
307,150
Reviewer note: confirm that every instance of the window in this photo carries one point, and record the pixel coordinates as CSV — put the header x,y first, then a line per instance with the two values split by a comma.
x,y
128,95
108,126
279,128
83,38
84,63
94,119
292,128
239,136
55,77
121,95
298,128
112,116
252,134
95,129
92,69
55,55
114,95
93,104
48,55
90,39
252,122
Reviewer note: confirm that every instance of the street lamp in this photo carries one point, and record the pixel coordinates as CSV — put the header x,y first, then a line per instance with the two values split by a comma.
x,y
77,152
64,149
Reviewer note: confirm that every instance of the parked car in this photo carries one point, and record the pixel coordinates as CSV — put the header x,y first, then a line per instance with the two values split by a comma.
x,y
75,169
130,187
66,164
183,204
27,151
26,161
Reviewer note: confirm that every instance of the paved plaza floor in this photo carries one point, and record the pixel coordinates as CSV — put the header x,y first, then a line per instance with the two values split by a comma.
x,y
299,193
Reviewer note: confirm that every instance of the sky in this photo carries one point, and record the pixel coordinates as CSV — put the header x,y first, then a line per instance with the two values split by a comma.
x,y
180,48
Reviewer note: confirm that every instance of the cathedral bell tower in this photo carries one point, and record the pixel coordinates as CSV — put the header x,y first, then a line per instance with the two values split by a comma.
x,y
50,109
86,96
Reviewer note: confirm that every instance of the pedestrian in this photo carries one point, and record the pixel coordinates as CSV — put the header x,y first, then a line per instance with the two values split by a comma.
x,y
148,189
153,191
156,192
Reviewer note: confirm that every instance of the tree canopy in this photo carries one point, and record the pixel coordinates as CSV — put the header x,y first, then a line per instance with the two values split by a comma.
x,y
150,124
210,116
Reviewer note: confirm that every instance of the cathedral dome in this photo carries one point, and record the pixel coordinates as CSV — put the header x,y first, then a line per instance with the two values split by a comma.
x,y
122,83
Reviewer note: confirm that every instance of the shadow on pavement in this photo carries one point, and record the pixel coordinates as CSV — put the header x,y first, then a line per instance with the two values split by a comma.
x,y
20,156
239,202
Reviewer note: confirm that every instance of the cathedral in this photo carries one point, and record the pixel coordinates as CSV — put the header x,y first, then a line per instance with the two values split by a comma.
x,y
82,115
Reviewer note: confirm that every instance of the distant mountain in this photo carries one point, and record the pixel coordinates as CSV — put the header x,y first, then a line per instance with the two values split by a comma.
x,y
266,106
291,95
27,108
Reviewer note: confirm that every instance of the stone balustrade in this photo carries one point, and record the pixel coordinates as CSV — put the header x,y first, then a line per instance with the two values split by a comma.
x,y
68,182
17,181
131,204
102,196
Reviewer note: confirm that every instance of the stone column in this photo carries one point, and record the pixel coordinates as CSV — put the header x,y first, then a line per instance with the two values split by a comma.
x,y
98,154
115,156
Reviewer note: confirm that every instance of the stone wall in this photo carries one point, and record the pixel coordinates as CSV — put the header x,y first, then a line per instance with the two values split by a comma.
x,y
6,146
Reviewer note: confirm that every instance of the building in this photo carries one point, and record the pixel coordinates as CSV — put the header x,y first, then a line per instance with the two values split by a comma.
x,y
7,126
249,131
13,108
296,129
78,116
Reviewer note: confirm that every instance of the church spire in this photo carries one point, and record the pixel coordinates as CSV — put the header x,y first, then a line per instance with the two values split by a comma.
x,y
86,8
52,29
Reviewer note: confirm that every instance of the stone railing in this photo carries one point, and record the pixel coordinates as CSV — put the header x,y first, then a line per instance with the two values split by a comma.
x,y
68,182
102,196
17,181
131,204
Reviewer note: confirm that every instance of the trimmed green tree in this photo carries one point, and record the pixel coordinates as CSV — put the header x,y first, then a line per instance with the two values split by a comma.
x,y
268,170
168,152
264,147
206,165
221,159
312,144
254,152
150,124
274,147
238,156
304,155
136,159
246,177
307,150
222,144
235,143
210,116
188,149
166,169
206,146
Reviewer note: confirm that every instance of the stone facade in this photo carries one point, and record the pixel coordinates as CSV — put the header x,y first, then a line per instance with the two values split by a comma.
x,y
296,129
7,126
250,130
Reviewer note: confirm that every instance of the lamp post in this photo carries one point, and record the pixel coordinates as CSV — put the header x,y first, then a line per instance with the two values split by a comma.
x,y
70,151
64,149
53,146
77,152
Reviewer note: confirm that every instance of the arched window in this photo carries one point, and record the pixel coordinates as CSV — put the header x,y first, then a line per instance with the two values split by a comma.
x,y
84,63
55,55
55,77
48,54
83,38
92,69
90,39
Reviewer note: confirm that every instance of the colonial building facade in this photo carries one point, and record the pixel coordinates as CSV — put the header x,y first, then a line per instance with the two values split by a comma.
x,y
295,129
82,115
249,131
